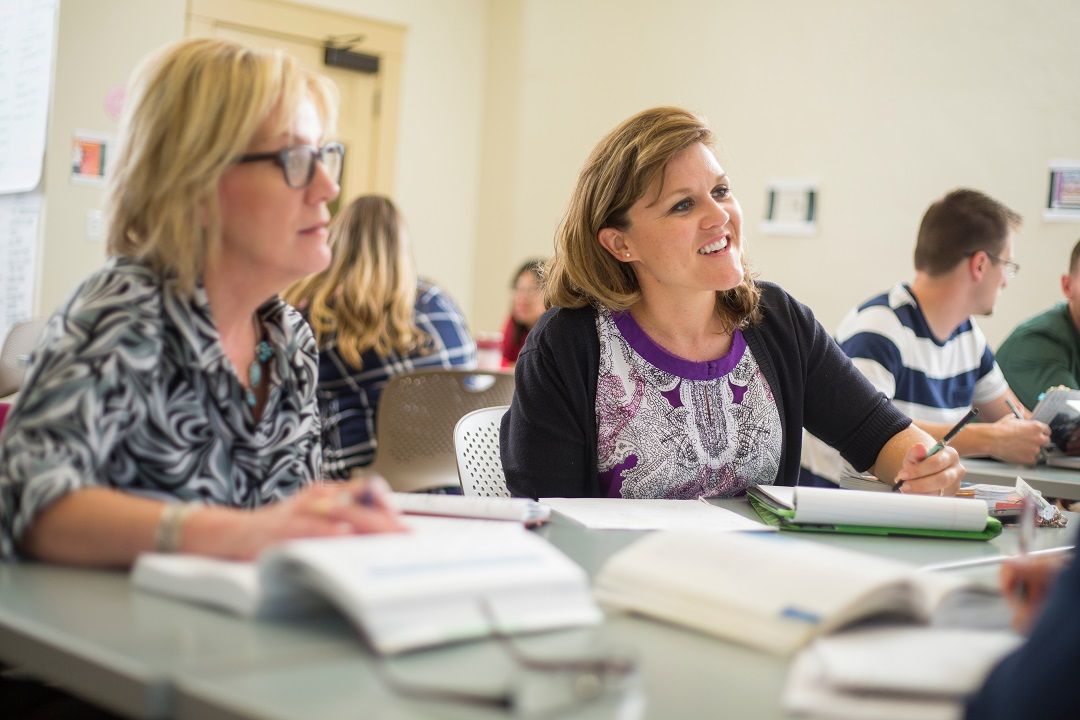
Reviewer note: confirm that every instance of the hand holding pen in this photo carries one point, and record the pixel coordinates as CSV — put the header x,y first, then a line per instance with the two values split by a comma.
x,y
941,444
1026,580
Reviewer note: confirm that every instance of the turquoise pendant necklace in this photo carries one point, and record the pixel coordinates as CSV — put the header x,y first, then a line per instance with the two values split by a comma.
x,y
263,352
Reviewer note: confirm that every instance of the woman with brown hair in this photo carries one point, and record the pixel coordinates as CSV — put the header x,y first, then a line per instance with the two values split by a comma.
x,y
664,370
373,319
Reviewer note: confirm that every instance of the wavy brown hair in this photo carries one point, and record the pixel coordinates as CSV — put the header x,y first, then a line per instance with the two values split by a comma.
x,y
619,171
367,296
192,109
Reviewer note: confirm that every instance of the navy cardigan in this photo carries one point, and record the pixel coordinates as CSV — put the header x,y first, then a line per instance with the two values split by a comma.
x,y
548,437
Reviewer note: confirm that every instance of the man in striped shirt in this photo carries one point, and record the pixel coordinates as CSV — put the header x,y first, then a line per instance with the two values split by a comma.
x,y
919,344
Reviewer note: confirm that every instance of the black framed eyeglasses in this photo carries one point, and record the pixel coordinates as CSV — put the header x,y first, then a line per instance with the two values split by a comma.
x,y
562,683
1011,268
297,163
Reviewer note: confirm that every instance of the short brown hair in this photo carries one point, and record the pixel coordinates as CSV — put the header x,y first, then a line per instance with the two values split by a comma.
x,y
619,171
1074,258
959,225
192,109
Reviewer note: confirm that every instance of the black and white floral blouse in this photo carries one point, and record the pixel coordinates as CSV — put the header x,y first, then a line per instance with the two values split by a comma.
x,y
131,389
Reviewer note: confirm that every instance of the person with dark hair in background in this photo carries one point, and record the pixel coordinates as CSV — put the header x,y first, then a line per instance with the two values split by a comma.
x,y
527,307
1044,351
373,319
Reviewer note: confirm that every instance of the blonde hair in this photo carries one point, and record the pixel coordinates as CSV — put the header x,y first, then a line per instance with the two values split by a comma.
x,y
619,171
367,296
192,108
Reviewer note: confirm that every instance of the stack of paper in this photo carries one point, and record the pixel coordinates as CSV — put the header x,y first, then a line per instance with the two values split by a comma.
x,y
893,673
631,514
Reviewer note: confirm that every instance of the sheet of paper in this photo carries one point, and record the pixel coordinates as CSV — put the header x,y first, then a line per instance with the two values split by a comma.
x,y
627,514
20,222
27,36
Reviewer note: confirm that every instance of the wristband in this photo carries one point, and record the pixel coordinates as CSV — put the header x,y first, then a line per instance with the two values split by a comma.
x,y
169,527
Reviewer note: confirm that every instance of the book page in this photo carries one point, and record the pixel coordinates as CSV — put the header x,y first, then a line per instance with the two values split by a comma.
x,y
408,590
826,506
630,514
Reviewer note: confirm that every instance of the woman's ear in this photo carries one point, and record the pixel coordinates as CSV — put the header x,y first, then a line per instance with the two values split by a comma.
x,y
615,243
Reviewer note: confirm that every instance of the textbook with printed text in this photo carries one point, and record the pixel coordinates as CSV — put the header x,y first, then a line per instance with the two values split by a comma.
x,y
448,580
768,591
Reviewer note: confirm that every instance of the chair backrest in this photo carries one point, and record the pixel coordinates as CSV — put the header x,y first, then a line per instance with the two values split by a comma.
x,y
416,418
476,441
21,340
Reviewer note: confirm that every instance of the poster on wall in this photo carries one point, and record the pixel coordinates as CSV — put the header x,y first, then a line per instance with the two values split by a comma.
x,y
791,207
1063,200
89,157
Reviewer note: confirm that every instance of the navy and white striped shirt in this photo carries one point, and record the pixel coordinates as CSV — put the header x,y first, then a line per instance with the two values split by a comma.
x,y
349,398
889,341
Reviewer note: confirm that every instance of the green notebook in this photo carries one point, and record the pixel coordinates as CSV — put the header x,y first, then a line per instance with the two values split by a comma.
x,y
809,509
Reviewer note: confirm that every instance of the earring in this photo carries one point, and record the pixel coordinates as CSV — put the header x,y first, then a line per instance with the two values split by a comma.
x,y
627,254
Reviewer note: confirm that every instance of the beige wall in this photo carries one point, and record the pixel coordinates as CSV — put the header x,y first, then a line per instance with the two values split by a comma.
x,y
98,43
441,123
440,134
889,104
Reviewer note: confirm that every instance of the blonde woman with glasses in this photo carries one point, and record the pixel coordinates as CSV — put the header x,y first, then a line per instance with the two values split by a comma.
x,y
664,369
373,319
171,403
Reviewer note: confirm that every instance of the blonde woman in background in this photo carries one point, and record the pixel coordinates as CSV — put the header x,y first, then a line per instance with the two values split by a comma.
x,y
373,319
664,369
171,403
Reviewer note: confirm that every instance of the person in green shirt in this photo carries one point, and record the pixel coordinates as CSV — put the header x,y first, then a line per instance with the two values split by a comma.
x,y
1044,351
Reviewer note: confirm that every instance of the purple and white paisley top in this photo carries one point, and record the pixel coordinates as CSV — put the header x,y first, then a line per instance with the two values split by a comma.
x,y
674,428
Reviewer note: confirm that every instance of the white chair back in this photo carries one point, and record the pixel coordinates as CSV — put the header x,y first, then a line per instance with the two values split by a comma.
x,y
476,442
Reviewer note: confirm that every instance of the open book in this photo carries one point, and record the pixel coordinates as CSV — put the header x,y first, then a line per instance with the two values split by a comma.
x,y
769,591
813,509
449,581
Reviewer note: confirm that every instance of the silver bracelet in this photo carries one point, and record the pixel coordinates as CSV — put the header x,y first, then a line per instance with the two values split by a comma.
x,y
169,527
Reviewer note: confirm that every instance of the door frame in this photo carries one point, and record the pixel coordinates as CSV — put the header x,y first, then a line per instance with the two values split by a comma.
x,y
305,23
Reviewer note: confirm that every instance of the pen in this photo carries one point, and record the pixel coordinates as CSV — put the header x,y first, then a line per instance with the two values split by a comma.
x,y
1024,538
940,444
1015,411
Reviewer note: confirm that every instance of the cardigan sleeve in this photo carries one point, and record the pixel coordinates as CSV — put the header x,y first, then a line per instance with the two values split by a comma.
x,y
546,446
840,406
